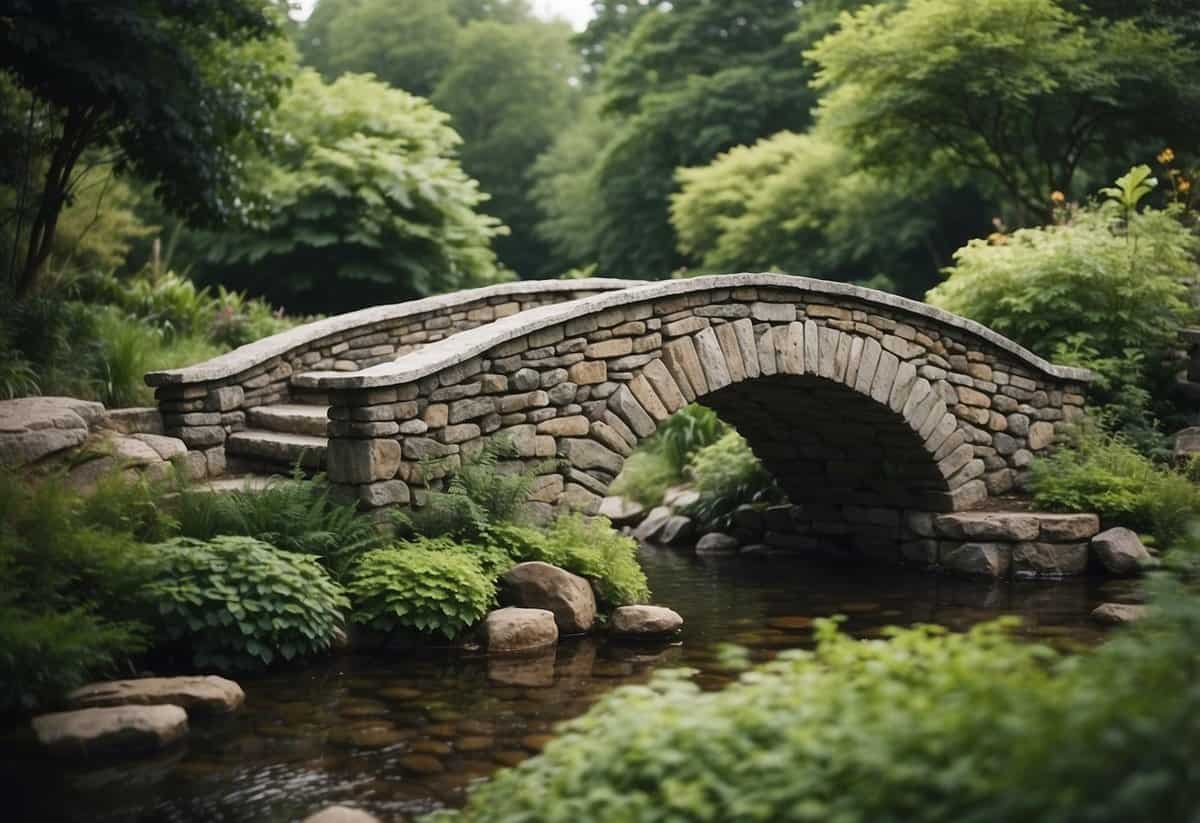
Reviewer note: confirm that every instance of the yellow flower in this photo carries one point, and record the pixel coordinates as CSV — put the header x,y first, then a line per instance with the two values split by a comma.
x,y
1184,185
1166,156
1058,197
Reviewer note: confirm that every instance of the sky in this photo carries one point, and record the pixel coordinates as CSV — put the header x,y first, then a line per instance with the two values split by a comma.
x,y
576,12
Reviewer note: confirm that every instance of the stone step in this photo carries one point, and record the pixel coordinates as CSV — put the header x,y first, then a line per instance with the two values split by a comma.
x,y
279,448
307,396
291,418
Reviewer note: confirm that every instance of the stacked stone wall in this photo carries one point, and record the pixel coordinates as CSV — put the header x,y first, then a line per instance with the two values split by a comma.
x,y
855,403
203,410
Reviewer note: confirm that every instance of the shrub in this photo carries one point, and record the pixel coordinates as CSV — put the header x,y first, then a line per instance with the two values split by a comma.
x,y
645,477
925,726
239,603
1101,472
132,506
67,591
414,586
589,547
295,514
727,474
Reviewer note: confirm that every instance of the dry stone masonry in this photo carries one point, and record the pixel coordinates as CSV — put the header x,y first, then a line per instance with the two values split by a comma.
x,y
260,387
863,405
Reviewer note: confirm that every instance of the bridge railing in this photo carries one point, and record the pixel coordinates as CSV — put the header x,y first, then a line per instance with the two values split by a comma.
x,y
202,404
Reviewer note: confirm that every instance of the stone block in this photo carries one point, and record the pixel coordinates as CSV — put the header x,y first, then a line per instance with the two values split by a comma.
x,y
664,385
588,454
712,360
683,362
1007,527
1041,435
617,347
773,312
364,461
587,373
977,559
528,400
1049,559
630,411
225,398
1068,528
573,426
647,398
473,407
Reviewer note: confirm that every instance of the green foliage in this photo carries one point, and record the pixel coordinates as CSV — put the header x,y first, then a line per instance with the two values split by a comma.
x,y
727,474
165,89
660,460
364,192
69,576
922,726
588,547
505,126
799,203
479,494
133,506
1023,93
690,80
1100,472
1105,288
237,603
295,514
415,587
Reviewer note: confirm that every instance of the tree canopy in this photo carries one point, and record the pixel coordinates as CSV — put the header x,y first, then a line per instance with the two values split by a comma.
x,y
365,192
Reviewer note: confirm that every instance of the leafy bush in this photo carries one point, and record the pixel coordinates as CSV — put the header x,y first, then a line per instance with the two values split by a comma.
x,y
727,474
416,587
132,506
68,588
1099,472
645,477
587,546
924,726
295,514
239,603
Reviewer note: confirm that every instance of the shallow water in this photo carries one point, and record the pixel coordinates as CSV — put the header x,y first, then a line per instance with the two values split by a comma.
x,y
399,736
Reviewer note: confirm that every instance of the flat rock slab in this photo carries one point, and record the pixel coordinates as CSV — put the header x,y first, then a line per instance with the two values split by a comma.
x,y
645,621
33,427
1016,527
1117,613
621,511
207,694
117,730
341,814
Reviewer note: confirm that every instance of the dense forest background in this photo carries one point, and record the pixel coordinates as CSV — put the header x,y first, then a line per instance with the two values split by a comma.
x,y
382,150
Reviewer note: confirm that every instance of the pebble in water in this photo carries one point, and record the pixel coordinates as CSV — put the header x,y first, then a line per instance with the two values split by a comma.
x,y
474,744
790,623
422,764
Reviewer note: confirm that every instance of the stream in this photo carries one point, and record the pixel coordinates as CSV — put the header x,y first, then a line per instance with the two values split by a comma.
x,y
399,736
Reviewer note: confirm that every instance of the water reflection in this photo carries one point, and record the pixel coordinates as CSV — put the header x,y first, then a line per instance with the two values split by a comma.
x,y
402,736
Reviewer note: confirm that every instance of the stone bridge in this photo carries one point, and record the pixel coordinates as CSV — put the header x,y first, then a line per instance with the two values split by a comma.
x,y
862,404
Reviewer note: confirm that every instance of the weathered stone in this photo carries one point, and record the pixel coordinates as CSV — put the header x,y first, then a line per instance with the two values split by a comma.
x,y
473,407
1068,528
115,730
573,426
526,379
1041,435
588,373
664,385
712,360
1049,559
683,362
647,399
588,454
517,402
576,498
642,621
207,694
978,559
519,630
384,493
648,530
621,511
563,393
460,433
1120,552
630,411
137,420
537,585
225,398
676,531
341,814
1009,527
716,543
773,312
364,461
1114,614
617,347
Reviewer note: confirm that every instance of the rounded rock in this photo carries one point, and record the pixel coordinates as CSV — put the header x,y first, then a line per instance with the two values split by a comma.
x,y
642,621
537,585
519,630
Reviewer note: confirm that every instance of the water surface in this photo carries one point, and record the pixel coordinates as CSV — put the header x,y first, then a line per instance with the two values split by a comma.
x,y
400,735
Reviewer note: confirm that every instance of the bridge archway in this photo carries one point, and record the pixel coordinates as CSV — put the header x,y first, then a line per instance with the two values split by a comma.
x,y
862,404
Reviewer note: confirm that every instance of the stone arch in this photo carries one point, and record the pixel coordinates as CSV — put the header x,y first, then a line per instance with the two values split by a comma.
x,y
898,405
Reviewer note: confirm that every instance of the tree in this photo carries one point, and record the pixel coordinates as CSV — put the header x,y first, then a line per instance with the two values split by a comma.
x,y
691,80
505,126
155,87
364,203
408,44
612,21
1024,93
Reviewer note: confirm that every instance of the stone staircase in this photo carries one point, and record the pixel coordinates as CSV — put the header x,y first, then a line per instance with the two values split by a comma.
x,y
277,436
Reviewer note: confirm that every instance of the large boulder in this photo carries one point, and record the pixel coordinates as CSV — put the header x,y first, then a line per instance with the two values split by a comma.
x,y
207,694
111,730
519,630
978,559
645,621
621,511
33,427
677,531
1120,552
537,585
